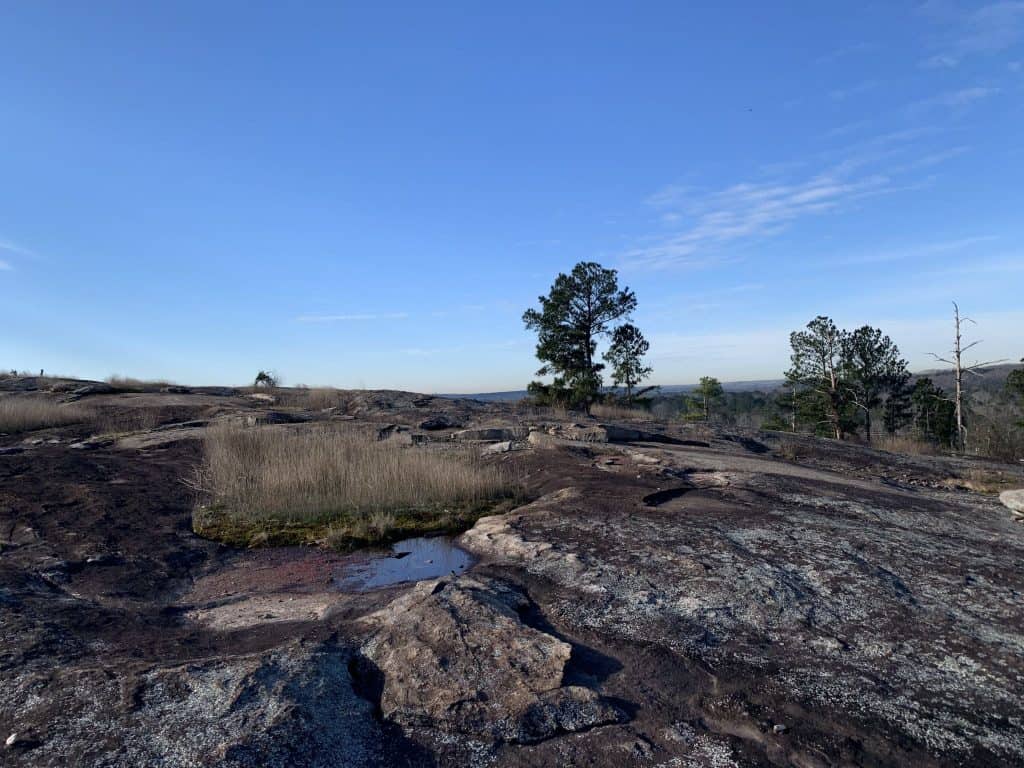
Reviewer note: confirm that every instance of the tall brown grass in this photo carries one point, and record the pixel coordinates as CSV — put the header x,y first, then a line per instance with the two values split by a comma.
x,y
985,480
132,383
320,398
23,414
603,411
905,444
323,473
114,421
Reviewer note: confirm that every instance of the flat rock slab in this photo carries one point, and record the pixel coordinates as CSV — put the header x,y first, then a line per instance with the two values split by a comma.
x,y
292,706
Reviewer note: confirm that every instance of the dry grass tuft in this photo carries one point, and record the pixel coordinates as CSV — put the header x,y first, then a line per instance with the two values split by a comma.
x,y
119,421
130,383
603,411
903,444
343,483
986,480
792,450
321,398
24,414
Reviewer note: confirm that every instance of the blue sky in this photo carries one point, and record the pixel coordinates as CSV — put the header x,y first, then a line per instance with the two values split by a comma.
x,y
371,194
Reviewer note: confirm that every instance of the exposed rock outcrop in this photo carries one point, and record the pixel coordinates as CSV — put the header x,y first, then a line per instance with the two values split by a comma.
x,y
456,655
294,706
492,434
1014,501
441,421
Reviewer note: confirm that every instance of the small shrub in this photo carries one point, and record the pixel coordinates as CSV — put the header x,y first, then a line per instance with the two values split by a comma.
x,y
267,379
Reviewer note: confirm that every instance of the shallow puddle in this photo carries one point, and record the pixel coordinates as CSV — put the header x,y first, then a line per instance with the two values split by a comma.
x,y
409,560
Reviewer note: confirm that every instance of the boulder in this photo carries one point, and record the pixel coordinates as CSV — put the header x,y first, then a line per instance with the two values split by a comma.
x,y
492,434
1014,500
441,421
502,447
276,417
392,431
582,433
455,655
538,438
95,388
175,389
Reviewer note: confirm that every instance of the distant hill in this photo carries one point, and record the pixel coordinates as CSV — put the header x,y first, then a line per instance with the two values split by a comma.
x,y
991,379
763,385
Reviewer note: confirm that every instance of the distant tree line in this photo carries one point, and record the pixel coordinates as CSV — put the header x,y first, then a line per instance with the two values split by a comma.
x,y
841,383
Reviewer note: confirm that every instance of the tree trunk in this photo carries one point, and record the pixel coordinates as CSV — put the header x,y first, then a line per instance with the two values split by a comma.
x,y
961,437
867,424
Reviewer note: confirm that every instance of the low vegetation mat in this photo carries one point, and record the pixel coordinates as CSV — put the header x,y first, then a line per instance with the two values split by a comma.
x,y
283,485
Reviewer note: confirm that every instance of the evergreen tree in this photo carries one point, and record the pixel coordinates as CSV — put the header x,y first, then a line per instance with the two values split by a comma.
x,y
1015,389
872,370
898,409
708,390
578,310
934,413
1015,385
816,371
625,355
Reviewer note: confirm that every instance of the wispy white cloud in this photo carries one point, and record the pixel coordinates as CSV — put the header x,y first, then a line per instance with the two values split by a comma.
x,y
703,226
1006,264
912,252
6,246
841,94
844,51
940,61
689,304
460,348
959,99
989,29
847,129
5,266
352,318
744,211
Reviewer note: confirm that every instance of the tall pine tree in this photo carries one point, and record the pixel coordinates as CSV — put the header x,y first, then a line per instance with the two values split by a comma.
x,y
580,308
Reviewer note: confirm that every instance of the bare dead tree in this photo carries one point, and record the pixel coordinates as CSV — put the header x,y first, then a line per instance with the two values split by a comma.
x,y
959,369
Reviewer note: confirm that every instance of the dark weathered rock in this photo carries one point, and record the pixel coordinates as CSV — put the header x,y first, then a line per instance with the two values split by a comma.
x,y
394,431
441,421
276,417
492,434
708,590
294,706
94,388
